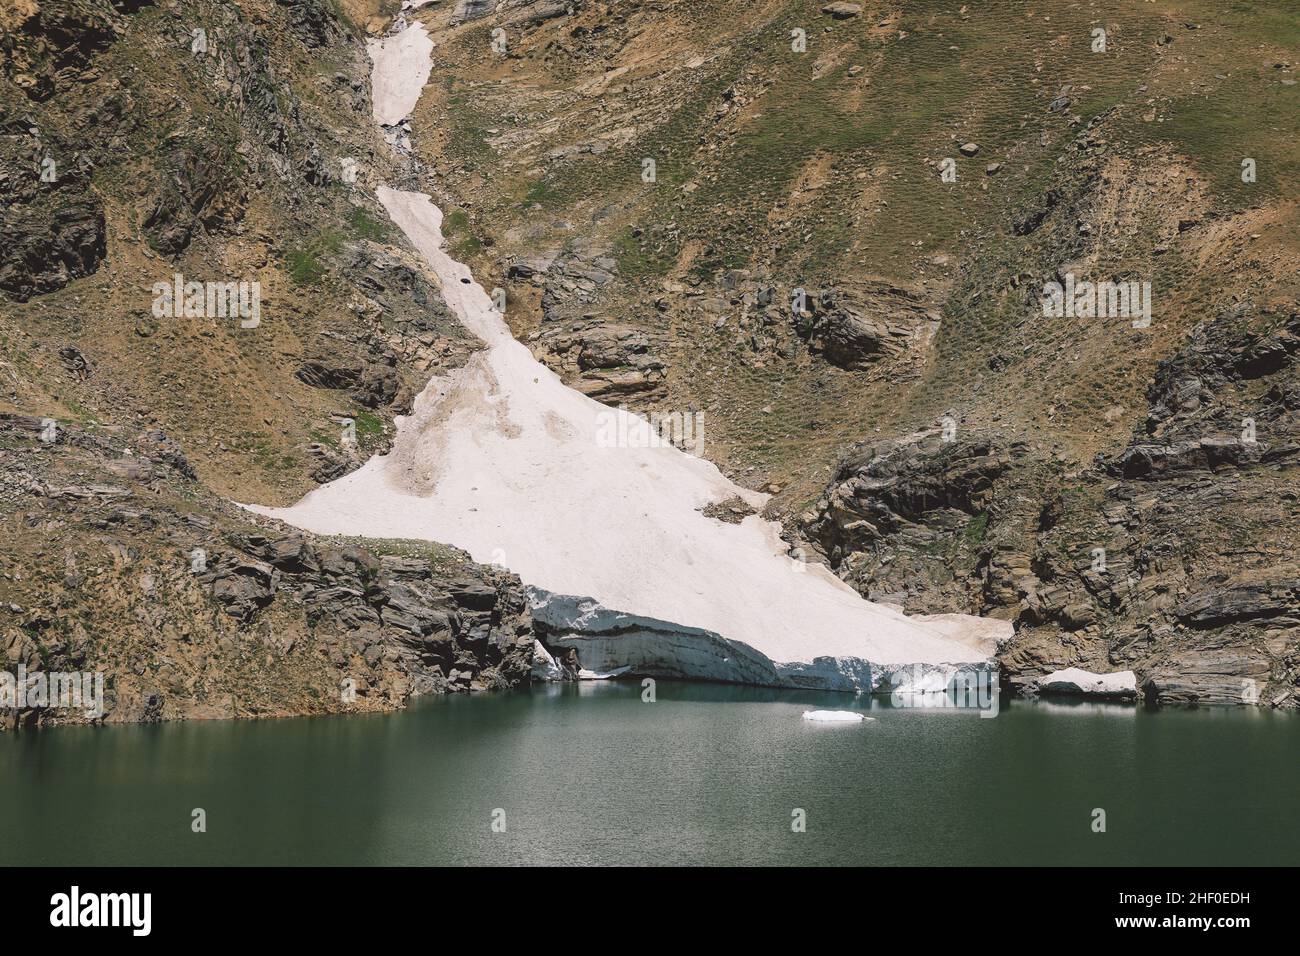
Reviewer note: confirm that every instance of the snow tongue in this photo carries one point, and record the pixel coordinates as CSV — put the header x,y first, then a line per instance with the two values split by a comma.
x,y
501,459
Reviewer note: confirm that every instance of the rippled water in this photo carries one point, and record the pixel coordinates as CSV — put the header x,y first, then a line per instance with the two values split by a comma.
x,y
705,774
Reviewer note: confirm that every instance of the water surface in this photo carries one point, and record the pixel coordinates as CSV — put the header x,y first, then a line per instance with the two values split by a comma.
x,y
706,774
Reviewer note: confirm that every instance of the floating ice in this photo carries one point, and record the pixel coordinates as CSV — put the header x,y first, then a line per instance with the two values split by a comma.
x,y
836,716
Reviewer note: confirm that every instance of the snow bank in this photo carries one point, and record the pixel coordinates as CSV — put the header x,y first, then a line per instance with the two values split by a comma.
x,y
607,639
585,674
501,459
1074,680
401,67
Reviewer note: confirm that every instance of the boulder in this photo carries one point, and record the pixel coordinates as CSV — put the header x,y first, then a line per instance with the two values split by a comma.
x,y
243,586
842,11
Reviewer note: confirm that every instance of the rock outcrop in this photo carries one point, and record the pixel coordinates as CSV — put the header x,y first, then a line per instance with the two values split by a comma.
x,y
875,323
116,561
1174,557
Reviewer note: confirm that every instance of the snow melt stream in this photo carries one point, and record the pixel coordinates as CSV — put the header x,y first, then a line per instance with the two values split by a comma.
x,y
503,460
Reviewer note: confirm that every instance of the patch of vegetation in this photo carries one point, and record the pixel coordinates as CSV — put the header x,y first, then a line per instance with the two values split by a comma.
x,y
976,529
455,223
368,426
362,225
543,193
322,437
1248,114
306,261
305,267
264,455
462,242
634,260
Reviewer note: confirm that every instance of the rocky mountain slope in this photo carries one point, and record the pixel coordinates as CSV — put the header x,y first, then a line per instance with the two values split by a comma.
x,y
222,142
827,227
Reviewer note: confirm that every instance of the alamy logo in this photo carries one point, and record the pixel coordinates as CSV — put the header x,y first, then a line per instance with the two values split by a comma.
x,y
74,690
1105,299
211,300
619,428
103,909
973,689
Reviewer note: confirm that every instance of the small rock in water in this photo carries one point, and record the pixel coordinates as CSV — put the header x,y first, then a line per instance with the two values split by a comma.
x,y
835,716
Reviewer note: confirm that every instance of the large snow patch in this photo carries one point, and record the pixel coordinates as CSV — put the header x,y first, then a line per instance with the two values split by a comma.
x,y
501,459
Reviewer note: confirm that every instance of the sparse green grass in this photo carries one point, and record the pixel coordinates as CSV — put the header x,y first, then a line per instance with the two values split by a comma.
x,y
369,429
368,426
362,225
543,192
461,240
1251,114
307,262
440,556
635,260
305,266
324,437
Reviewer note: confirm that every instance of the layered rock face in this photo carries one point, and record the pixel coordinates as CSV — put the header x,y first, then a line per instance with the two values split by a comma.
x,y
853,330
923,494
52,221
1173,558
410,620
116,560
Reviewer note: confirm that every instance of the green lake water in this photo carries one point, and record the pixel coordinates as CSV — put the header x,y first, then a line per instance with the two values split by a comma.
x,y
706,774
